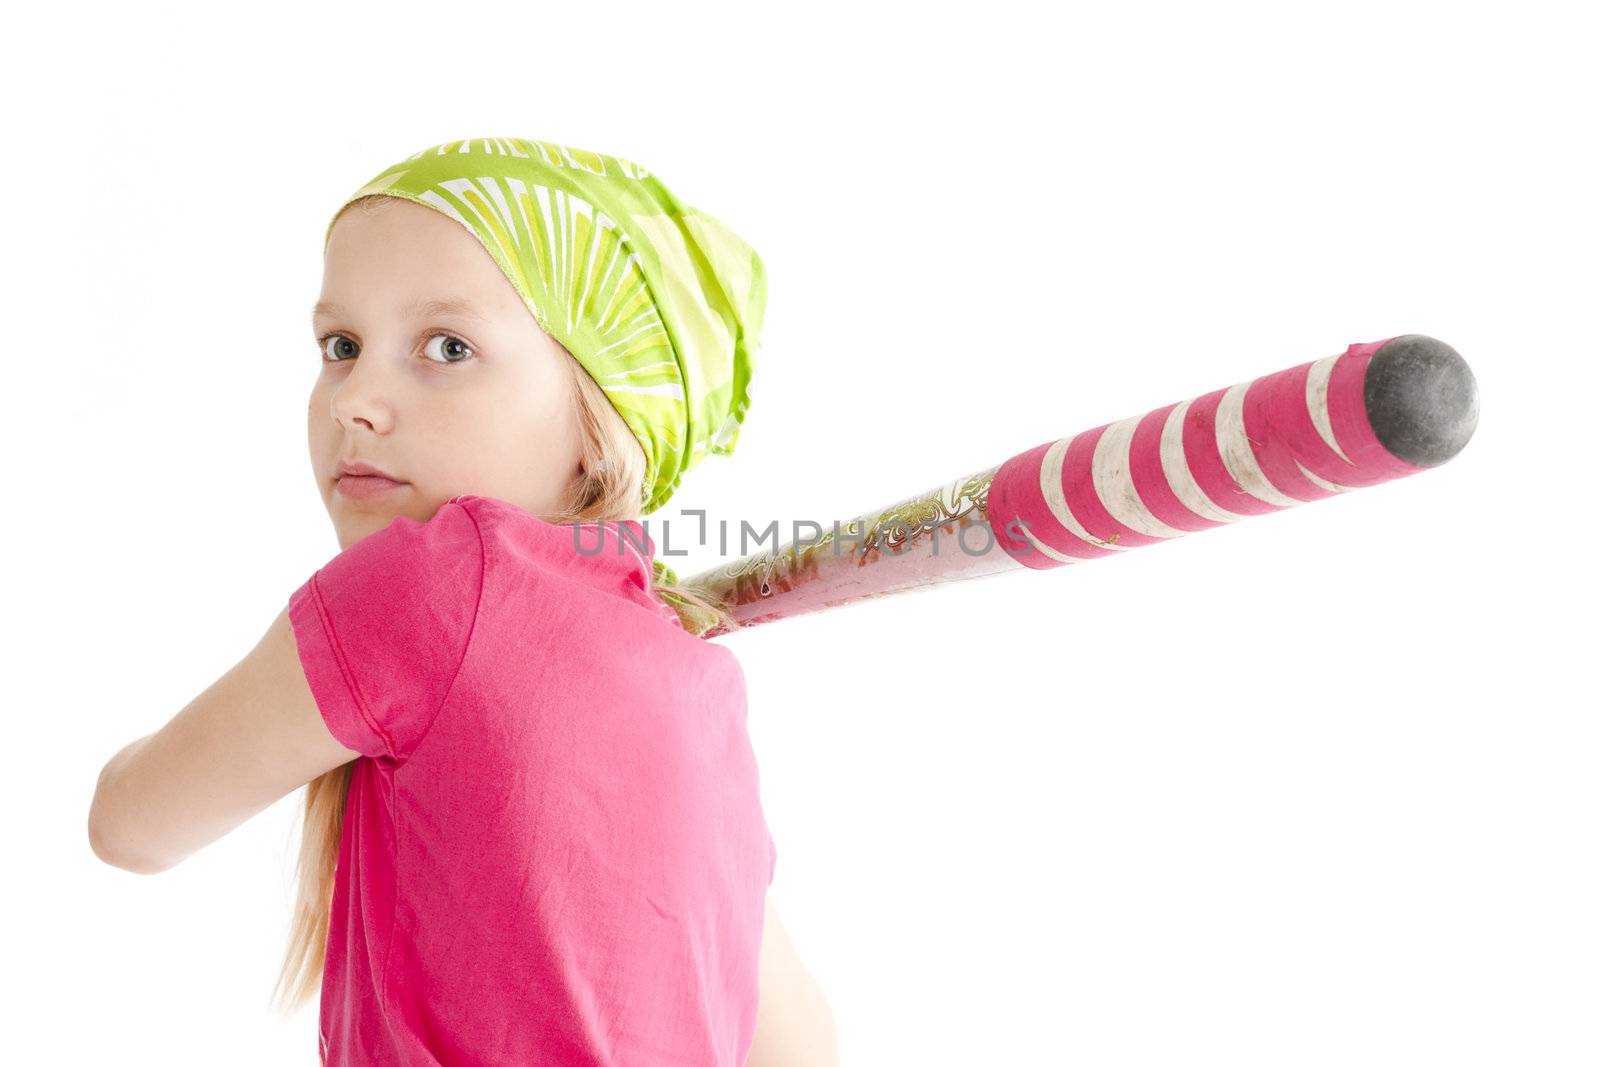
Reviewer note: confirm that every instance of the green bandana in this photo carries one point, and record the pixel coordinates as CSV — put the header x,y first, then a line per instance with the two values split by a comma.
x,y
662,304
695,619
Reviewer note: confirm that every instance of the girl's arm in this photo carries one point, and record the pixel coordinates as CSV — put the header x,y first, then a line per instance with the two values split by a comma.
x,y
253,737
794,1026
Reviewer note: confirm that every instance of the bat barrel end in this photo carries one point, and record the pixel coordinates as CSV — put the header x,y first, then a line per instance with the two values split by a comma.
x,y
1421,399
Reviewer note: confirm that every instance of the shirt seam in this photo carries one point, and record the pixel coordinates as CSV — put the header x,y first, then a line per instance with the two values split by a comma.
x,y
657,604
343,660
394,905
649,568
472,629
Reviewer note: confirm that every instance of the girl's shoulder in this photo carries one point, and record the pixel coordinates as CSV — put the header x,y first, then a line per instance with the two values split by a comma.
x,y
610,555
625,539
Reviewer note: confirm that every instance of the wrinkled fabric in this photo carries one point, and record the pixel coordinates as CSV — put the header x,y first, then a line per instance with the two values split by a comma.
x,y
554,850
661,303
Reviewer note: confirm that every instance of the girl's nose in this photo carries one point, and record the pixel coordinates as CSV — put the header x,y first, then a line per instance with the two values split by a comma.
x,y
364,396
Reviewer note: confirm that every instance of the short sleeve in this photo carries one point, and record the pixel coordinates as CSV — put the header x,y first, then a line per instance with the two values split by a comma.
x,y
382,629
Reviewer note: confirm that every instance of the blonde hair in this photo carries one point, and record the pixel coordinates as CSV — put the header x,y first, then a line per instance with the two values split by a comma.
x,y
610,486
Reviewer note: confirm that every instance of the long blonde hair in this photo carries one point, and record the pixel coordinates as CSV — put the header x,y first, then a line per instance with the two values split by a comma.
x,y
612,489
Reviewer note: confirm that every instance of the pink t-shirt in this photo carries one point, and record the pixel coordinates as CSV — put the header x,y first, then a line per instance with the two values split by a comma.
x,y
554,850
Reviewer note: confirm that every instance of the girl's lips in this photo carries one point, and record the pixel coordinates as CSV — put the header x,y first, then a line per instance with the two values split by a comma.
x,y
364,486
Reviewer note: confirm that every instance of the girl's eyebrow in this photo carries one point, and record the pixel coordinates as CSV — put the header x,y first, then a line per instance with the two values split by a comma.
x,y
416,308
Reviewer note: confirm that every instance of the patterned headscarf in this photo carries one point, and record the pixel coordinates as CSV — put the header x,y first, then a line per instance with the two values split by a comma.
x,y
661,303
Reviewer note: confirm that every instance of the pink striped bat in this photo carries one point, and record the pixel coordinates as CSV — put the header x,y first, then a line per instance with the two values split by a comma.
x,y
1378,411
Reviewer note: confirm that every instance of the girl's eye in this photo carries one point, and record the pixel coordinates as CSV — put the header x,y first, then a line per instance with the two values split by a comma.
x,y
337,348
446,349
337,339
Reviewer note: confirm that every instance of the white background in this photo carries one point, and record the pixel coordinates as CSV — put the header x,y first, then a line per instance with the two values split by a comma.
x,y
1316,788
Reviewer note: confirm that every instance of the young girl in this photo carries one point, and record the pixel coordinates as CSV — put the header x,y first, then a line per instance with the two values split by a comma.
x,y
533,832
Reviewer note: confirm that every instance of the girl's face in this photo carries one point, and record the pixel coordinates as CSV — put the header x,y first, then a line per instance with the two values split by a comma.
x,y
466,396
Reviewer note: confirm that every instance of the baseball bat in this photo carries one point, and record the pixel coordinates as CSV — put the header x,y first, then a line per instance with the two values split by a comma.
x,y
1376,412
